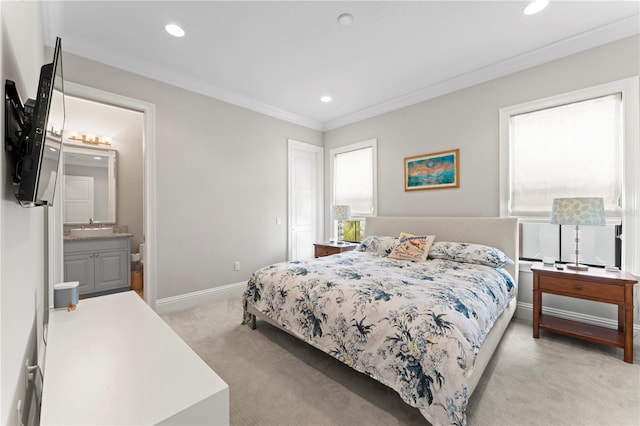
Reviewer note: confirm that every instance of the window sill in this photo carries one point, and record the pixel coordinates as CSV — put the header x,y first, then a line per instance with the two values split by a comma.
x,y
525,265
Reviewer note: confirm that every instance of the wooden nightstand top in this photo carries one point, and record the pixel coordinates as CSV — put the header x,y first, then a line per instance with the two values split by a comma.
x,y
592,274
334,244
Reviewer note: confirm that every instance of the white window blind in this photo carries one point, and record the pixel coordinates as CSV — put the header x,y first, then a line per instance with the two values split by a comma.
x,y
572,150
353,181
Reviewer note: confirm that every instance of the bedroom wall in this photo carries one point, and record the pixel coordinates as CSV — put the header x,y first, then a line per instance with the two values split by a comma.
x,y
221,180
468,119
22,251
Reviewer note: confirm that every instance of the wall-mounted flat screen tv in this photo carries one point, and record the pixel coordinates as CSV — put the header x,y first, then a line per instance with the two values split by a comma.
x,y
33,134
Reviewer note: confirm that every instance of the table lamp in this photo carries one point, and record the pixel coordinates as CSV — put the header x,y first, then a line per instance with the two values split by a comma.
x,y
341,213
578,211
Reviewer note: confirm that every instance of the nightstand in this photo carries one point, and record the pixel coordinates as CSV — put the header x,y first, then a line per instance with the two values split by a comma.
x,y
595,284
327,249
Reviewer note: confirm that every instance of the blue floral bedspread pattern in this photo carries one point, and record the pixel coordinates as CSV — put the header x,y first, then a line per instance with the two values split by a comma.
x,y
415,327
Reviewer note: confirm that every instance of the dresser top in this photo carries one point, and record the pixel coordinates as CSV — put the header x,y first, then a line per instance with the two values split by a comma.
x,y
114,361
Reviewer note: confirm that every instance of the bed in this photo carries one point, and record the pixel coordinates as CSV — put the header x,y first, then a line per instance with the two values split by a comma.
x,y
426,329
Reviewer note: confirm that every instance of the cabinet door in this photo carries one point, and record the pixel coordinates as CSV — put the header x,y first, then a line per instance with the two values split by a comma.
x,y
80,267
111,270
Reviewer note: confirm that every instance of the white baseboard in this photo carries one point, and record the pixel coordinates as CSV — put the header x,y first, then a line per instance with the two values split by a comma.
x,y
525,313
188,300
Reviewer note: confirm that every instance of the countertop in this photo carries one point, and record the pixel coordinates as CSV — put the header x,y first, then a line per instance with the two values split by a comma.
x,y
100,237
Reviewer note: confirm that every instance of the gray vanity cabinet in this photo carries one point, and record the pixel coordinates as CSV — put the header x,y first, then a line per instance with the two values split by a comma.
x,y
98,264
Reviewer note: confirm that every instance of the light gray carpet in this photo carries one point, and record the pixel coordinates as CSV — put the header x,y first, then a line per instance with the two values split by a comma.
x,y
277,380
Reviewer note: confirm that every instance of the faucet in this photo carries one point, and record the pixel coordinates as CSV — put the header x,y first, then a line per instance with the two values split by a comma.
x,y
90,221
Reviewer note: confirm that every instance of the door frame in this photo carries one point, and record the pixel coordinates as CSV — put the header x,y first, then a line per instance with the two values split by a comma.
x,y
55,214
294,145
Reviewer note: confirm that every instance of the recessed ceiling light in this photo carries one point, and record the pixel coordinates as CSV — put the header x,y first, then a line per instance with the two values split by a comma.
x,y
174,30
535,7
326,99
345,19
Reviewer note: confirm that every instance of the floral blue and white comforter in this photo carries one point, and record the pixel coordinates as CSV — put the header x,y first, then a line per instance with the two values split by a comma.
x,y
415,327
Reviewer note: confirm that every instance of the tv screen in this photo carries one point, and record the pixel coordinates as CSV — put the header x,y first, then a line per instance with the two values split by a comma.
x,y
37,135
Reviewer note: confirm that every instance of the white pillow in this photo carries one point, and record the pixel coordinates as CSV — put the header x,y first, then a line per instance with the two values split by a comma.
x,y
378,244
469,253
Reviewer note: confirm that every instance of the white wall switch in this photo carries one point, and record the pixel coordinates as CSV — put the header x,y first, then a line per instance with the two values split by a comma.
x,y
236,265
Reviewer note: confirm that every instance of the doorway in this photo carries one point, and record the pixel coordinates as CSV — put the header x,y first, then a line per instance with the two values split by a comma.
x,y
147,199
305,195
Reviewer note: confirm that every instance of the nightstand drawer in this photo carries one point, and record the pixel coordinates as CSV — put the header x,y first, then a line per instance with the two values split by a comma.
x,y
325,251
585,289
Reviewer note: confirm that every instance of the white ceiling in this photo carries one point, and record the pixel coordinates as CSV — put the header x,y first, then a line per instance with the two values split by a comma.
x,y
281,57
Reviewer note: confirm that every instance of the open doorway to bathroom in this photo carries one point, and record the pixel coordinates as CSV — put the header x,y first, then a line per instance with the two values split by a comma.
x,y
120,132
102,197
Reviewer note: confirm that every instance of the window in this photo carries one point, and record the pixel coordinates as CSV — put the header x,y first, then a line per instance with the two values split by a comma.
x,y
354,182
580,144
570,150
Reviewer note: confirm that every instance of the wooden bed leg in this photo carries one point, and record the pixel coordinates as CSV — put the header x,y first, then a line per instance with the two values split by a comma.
x,y
253,322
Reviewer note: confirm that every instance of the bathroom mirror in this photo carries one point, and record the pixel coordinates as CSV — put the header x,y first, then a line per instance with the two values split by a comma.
x,y
89,185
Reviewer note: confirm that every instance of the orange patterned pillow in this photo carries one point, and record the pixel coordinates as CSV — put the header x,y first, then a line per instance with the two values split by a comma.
x,y
412,247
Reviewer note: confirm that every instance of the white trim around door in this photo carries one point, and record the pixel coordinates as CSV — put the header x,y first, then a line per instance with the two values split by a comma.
x,y
149,159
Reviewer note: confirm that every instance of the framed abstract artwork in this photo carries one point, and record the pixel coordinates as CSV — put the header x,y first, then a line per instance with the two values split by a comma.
x,y
438,170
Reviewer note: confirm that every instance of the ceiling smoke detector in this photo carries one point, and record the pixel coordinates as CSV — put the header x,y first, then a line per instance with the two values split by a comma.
x,y
345,19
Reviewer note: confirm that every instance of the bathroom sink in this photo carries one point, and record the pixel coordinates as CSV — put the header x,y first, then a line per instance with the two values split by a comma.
x,y
91,232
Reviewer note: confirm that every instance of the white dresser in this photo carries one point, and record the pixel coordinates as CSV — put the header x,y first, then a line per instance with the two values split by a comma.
x,y
114,361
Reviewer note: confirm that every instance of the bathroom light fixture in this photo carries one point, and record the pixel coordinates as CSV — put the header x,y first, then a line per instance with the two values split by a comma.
x,y
174,30
345,19
90,139
535,7
326,99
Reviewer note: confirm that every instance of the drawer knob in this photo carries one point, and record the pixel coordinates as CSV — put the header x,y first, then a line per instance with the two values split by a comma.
x,y
578,287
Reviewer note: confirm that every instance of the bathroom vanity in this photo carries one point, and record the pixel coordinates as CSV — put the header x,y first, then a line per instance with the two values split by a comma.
x,y
99,261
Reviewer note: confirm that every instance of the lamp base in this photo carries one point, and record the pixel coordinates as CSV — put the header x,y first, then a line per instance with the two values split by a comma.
x,y
578,267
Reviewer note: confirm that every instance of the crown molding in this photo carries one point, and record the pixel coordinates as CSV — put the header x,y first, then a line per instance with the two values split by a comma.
x,y
54,24
53,17
143,68
599,36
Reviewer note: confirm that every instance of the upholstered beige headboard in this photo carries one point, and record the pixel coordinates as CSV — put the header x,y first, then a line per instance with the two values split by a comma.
x,y
496,232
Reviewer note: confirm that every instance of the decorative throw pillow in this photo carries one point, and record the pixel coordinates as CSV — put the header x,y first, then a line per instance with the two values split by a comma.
x,y
469,253
412,247
378,244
